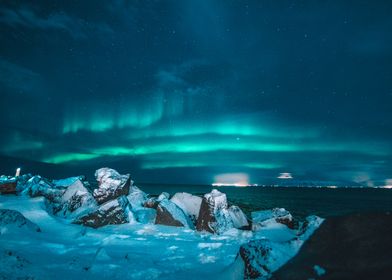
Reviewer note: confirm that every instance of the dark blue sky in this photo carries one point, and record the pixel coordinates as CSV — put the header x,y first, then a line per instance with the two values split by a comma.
x,y
184,91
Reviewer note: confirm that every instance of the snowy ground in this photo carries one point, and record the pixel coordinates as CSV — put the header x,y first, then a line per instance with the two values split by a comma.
x,y
130,251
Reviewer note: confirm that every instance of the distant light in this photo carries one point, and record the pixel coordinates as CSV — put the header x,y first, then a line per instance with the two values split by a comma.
x,y
231,179
17,172
285,175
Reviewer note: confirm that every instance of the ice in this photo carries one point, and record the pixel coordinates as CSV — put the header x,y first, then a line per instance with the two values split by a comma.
x,y
139,250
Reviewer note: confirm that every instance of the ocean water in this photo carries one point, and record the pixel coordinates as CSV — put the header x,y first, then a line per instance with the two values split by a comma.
x,y
300,202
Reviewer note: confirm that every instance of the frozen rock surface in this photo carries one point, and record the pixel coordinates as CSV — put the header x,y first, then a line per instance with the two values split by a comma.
x,y
354,246
111,185
136,197
162,196
13,219
7,185
238,217
170,214
73,201
38,186
263,256
189,203
280,215
214,216
66,182
114,212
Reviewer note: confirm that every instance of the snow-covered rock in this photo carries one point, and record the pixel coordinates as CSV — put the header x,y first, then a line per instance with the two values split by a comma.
x,y
71,202
162,196
170,214
145,215
151,202
11,219
238,217
266,254
7,185
111,185
114,212
136,197
214,215
277,215
22,181
66,182
189,203
38,186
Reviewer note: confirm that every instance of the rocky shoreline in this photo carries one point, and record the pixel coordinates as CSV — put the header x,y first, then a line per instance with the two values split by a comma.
x,y
272,236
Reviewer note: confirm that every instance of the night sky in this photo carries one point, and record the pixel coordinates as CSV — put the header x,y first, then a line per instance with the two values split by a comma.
x,y
192,91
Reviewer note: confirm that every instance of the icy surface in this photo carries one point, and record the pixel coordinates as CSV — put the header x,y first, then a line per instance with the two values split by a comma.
x,y
189,203
176,212
134,250
66,182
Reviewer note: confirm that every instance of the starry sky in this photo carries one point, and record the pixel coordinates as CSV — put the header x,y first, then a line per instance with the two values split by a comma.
x,y
192,91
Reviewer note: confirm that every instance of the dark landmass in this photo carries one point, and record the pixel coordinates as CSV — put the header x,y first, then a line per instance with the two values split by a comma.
x,y
356,246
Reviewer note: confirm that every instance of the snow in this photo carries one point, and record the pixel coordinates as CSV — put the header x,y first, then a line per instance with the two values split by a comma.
x,y
67,181
163,196
176,212
217,199
238,217
189,203
138,249
109,178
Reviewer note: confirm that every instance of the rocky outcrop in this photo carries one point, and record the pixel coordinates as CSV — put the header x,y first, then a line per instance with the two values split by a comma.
x,y
111,185
238,218
279,215
256,257
71,202
145,215
11,218
214,216
170,214
162,196
114,212
189,203
8,186
355,246
38,186
151,202
136,197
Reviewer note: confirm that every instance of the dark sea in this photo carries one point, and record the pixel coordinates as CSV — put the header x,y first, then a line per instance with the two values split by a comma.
x,y
300,201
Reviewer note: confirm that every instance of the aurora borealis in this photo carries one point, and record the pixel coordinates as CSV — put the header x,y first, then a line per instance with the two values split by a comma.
x,y
187,91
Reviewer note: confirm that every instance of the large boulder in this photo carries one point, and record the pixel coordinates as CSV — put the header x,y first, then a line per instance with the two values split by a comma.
x,y
256,255
238,218
145,215
66,182
189,203
214,216
162,196
71,202
263,256
11,219
170,214
263,218
8,185
353,246
136,197
111,185
38,186
117,211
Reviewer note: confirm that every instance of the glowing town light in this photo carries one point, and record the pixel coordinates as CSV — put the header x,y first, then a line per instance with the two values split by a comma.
x,y
17,172
285,175
231,179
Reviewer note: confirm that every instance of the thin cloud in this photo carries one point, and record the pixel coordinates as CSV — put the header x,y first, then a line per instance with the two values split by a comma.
x,y
75,27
